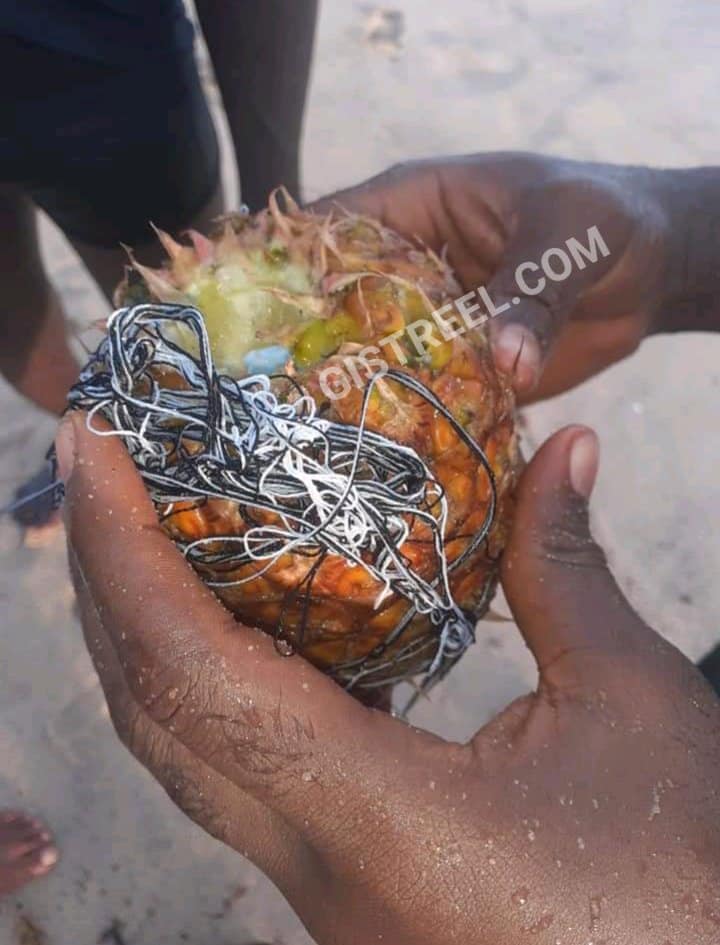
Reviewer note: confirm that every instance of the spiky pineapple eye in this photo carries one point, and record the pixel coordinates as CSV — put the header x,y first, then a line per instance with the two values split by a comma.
x,y
277,254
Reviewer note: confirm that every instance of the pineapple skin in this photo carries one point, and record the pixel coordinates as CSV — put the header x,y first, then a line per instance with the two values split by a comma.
x,y
326,287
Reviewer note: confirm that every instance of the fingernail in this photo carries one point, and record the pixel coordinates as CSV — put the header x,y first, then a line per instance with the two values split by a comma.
x,y
584,459
65,446
517,352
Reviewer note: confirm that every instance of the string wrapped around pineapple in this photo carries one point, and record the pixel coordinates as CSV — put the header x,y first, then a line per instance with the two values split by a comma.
x,y
325,488
362,530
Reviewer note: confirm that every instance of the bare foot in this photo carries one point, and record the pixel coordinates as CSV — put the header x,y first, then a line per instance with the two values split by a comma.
x,y
26,851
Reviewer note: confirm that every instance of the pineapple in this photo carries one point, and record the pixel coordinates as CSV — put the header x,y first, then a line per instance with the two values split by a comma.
x,y
291,292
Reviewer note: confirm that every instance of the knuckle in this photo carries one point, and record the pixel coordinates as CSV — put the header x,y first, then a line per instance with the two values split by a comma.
x,y
171,684
276,747
184,696
186,790
566,548
233,734
568,542
401,173
155,750
135,731
543,313
124,721
397,171
551,298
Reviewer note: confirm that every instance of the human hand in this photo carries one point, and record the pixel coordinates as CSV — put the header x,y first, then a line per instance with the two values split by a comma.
x,y
498,211
586,811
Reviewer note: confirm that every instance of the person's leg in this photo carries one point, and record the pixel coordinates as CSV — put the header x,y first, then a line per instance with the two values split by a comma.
x,y
102,169
709,666
118,170
26,851
34,354
262,52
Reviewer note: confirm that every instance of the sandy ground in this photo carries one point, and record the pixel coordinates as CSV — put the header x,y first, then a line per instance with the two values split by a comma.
x,y
584,78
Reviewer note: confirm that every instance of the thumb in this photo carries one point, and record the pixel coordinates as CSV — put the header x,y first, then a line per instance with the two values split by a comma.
x,y
562,241
574,617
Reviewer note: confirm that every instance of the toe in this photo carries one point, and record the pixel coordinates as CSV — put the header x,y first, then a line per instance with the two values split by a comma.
x,y
26,850
18,828
42,860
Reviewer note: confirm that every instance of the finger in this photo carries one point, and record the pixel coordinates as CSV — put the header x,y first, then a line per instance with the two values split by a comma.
x,y
19,825
392,197
564,238
369,198
583,349
444,204
23,861
265,722
574,617
230,815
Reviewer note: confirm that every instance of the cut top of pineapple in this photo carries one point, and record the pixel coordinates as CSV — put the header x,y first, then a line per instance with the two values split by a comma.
x,y
293,279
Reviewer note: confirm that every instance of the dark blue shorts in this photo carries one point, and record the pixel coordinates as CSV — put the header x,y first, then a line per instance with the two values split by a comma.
x,y
104,148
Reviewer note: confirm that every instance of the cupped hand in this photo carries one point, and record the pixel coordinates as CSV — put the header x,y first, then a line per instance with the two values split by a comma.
x,y
500,211
587,811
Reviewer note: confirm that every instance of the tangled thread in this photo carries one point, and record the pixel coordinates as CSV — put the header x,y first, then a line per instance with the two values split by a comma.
x,y
333,488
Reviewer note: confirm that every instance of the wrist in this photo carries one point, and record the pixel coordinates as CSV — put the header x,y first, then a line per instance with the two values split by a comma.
x,y
690,200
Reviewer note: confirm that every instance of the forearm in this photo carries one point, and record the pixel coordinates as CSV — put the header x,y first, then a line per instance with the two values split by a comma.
x,y
691,199
261,52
